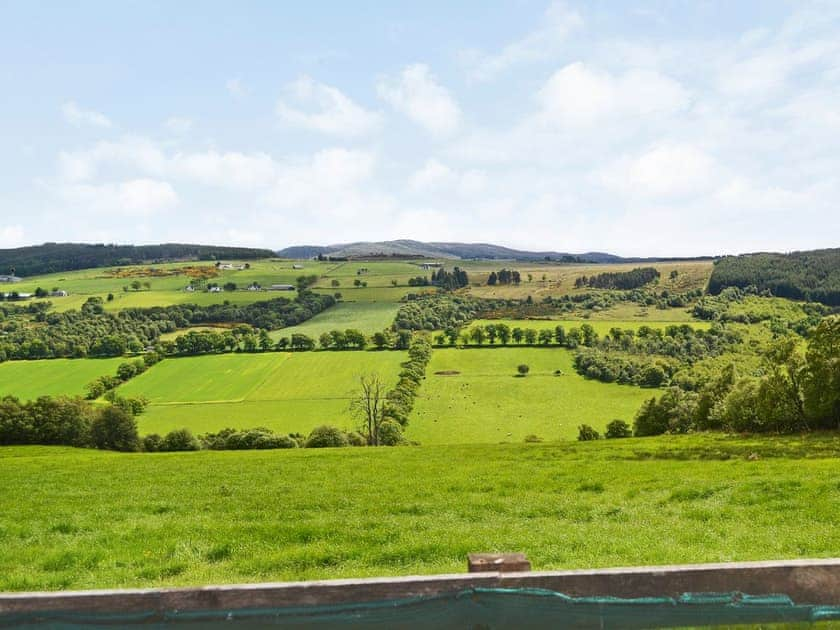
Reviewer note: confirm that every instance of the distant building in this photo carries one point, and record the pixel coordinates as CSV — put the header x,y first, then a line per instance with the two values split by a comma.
x,y
189,288
297,266
58,294
10,279
282,287
215,289
432,265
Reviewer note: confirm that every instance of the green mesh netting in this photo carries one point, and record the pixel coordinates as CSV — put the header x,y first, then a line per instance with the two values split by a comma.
x,y
479,608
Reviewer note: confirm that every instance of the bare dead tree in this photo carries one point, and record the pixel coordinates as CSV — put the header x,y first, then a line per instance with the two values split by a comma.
x,y
369,406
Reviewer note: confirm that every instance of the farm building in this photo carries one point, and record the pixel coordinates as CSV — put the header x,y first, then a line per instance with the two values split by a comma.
x,y
297,266
58,294
10,279
430,265
282,287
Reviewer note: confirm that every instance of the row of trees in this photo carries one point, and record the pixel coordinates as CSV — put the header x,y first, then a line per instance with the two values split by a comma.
x,y
34,332
125,372
504,276
620,280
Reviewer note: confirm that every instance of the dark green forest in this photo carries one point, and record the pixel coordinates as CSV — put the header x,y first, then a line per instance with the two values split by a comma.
x,y
813,275
55,257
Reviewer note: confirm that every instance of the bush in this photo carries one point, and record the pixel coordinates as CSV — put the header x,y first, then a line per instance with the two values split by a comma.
x,y
180,440
523,369
587,433
258,438
354,438
618,429
326,436
152,443
533,439
114,429
390,433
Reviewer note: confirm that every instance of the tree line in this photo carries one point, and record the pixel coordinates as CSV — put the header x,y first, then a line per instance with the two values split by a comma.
x,y
812,275
32,332
619,280
37,260
504,276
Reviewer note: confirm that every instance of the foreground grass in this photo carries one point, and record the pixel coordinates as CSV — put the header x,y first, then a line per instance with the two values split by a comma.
x,y
78,519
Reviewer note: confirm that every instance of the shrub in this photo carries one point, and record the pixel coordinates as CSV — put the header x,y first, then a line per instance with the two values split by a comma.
x,y
618,429
180,440
114,429
532,439
586,433
390,433
152,443
523,369
354,438
326,436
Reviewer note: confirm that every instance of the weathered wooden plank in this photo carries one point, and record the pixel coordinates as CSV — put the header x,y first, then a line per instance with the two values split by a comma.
x,y
805,581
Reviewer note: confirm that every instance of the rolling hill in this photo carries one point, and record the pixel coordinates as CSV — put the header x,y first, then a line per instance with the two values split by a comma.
x,y
456,251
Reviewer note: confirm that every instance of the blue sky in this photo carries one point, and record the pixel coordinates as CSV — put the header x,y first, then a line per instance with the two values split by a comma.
x,y
656,128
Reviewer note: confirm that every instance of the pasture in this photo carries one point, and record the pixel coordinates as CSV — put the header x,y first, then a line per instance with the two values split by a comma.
x,y
552,279
28,380
287,392
474,395
368,317
228,517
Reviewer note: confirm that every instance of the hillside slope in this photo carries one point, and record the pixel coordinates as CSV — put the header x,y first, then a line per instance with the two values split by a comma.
x,y
809,275
410,248
55,257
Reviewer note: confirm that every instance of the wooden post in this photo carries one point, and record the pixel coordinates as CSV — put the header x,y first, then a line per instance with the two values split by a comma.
x,y
498,562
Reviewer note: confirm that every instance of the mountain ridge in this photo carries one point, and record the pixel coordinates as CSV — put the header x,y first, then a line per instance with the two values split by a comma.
x,y
455,251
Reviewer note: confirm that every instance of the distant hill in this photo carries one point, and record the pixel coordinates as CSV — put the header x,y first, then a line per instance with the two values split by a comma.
x,y
809,275
455,251
55,257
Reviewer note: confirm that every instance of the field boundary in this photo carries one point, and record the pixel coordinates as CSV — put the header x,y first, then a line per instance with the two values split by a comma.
x,y
815,582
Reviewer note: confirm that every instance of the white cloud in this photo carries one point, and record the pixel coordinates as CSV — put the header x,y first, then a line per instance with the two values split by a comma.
x,y
178,125
543,43
136,197
577,95
78,117
332,111
240,171
436,177
665,170
11,236
417,94
432,175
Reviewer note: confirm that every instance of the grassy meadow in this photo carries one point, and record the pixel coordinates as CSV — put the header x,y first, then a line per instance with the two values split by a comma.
x,y
474,395
225,517
560,279
287,392
28,380
368,317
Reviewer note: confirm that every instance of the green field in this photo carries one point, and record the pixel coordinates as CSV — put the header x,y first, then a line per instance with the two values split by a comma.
x,y
72,519
287,392
27,380
486,402
368,317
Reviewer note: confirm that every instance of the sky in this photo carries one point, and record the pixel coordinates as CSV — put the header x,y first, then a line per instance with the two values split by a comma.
x,y
639,128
